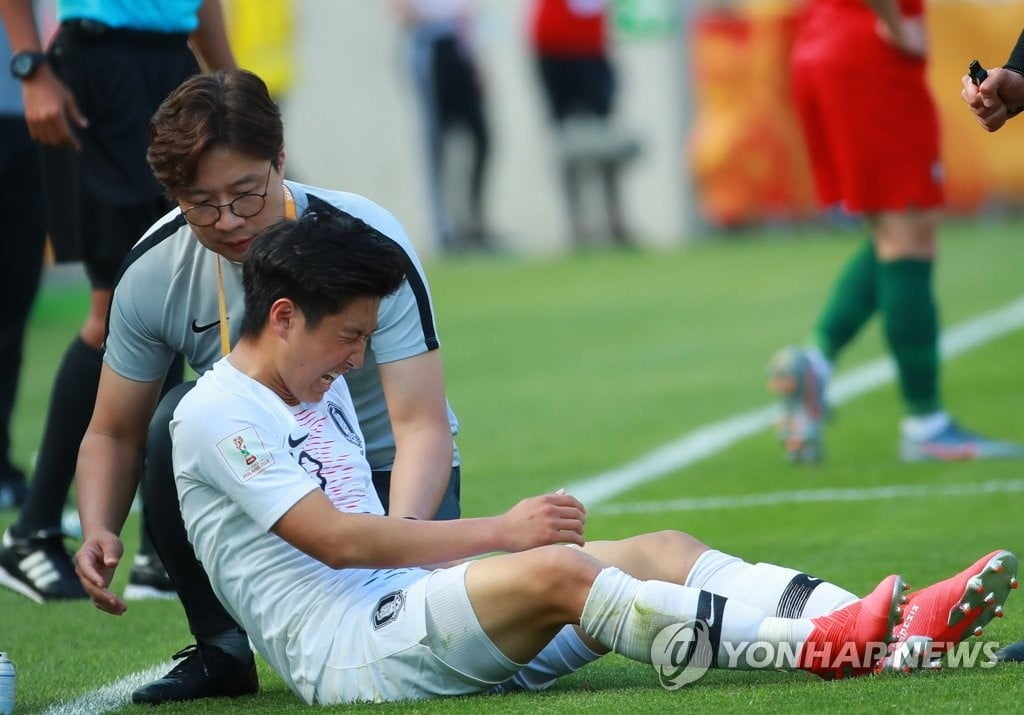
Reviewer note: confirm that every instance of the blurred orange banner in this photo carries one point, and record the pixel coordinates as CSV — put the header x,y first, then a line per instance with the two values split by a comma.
x,y
747,154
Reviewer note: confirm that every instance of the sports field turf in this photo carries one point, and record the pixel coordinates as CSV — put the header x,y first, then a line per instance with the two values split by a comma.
x,y
564,368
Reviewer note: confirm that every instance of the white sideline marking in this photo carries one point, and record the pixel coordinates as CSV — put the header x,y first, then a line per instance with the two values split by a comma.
x,y
816,495
714,438
110,697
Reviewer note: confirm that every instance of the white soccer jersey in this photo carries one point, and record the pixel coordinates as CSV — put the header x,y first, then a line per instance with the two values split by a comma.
x,y
165,302
242,459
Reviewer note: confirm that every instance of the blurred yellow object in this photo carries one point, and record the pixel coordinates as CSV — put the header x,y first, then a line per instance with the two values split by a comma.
x,y
262,37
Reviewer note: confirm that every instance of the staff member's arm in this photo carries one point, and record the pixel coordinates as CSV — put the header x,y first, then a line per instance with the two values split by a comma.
x,y
50,110
107,477
415,396
210,39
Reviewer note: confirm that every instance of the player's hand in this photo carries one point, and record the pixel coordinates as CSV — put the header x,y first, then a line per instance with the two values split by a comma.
x,y
51,112
991,100
540,521
95,563
911,39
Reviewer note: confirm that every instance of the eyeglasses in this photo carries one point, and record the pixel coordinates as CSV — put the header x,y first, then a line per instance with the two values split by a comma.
x,y
244,206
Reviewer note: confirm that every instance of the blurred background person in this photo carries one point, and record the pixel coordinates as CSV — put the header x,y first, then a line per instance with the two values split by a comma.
x,y
569,39
23,228
449,91
93,91
881,161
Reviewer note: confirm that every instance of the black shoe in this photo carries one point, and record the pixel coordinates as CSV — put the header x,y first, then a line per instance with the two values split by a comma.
x,y
39,567
204,672
13,489
148,580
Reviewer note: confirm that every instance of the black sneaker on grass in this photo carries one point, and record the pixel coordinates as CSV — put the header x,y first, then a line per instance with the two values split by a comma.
x,y
148,580
39,567
204,672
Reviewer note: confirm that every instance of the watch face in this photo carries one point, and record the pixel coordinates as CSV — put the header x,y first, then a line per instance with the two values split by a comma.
x,y
24,63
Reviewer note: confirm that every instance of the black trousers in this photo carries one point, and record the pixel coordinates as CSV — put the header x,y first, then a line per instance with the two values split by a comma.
x,y
22,236
206,616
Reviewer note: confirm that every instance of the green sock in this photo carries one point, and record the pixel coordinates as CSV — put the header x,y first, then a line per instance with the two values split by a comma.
x,y
852,303
911,325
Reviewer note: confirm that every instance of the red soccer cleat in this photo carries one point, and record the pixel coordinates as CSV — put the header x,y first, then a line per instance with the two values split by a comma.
x,y
938,617
850,641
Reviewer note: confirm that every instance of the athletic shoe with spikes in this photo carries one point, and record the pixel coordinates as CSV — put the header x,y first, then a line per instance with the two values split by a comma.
x,y
938,617
845,643
954,444
799,381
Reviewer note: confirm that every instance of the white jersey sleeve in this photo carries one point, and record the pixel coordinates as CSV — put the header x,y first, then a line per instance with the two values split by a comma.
x,y
236,446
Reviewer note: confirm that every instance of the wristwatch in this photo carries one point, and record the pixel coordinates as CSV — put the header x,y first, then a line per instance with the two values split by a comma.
x,y
25,63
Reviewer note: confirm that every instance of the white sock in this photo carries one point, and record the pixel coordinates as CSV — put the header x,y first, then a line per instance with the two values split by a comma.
x,y
626,615
564,654
775,590
922,427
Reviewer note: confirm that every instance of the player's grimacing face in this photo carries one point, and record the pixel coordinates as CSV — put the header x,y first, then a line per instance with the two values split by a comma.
x,y
318,356
223,175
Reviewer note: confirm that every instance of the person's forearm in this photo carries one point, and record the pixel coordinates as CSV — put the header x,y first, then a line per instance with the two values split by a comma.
x,y
370,541
420,474
105,481
210,41
20,24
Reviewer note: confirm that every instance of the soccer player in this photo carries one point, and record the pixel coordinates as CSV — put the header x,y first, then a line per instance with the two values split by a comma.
x,y
217,146
1001,95
873,158
88,99
342,601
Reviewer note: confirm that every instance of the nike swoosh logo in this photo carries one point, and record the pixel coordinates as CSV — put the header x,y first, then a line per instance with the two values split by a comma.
x,y
293,443
197,328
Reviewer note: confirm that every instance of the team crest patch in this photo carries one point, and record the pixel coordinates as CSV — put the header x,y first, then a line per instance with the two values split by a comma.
x,y
388,609
343,425
245,454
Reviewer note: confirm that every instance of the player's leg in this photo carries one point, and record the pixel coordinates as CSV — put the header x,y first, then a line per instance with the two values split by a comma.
x,y
679,558
798,374
23,222
906,249
36,536
221,663
906,243
521,600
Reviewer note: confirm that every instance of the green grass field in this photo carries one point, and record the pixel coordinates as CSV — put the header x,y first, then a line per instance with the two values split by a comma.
x,y
567,367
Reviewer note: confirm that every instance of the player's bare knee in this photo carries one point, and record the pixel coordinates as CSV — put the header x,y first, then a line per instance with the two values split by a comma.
x,y
561,577
675,553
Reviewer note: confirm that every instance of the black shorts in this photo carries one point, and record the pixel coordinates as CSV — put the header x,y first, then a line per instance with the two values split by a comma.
x,y
101,200
577,85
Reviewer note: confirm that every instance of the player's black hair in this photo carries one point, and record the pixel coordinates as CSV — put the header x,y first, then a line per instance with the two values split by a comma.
x,y
228,108
322,262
